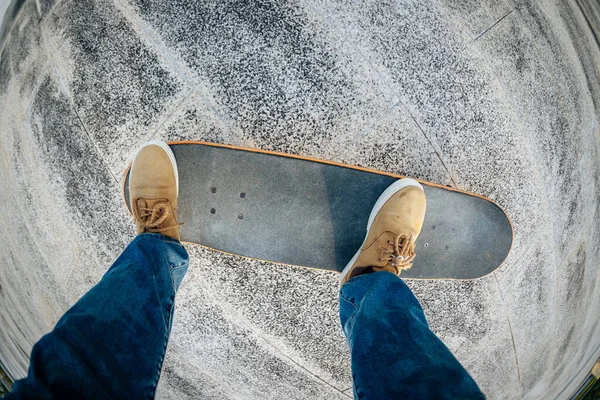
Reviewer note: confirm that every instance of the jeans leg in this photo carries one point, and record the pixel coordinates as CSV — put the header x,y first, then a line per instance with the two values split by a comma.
x,y
112,342
394,354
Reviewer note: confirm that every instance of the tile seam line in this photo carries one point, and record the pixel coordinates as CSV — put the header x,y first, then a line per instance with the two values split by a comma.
x,y
304,368
434,147
150,38
298,365
504,301
185,100
50,54
493,25
48,46
85,130
243,322
512,337
76,262
401,103
51,9
397,94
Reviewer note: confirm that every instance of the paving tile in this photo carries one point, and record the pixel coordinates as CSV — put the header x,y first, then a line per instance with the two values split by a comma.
x,y
121,89
417,53
529,291
470,318
11,13
364,138
541,288
393,144
294,309
277,78
23,55
396,144
197,120
29,181
478,17
184,379
45,6
258,330
32,283
31,303
80,177
61,187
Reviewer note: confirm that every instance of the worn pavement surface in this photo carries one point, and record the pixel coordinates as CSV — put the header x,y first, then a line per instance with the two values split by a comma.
x,y
498,97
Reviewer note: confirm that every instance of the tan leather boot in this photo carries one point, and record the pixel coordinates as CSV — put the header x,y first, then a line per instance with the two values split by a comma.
x,y
153,190
394,225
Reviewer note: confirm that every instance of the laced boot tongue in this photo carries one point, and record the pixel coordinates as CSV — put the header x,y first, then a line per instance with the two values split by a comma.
x,y
398,251
154,215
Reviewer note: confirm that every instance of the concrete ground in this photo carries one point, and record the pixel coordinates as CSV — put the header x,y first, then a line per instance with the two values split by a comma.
x,y
498,97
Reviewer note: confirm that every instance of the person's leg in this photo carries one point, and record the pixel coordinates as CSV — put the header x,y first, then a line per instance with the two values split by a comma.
x,y
394,354
112,342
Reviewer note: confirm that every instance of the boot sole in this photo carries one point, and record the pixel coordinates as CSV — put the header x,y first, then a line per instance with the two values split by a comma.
x,y
385,196
169,152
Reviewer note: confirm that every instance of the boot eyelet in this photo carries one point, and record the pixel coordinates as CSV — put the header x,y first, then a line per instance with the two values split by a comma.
x,y
388,242
379,260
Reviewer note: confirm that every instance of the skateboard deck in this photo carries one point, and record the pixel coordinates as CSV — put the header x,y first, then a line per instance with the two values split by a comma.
x,y
313,213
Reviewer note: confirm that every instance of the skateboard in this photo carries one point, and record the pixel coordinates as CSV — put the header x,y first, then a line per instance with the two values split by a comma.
x,y
313,213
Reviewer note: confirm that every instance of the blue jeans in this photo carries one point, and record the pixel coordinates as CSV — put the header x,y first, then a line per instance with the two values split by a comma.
x,y
393,353
111,343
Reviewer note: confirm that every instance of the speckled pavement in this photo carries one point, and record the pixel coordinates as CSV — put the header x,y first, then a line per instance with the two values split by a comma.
x,y
498,97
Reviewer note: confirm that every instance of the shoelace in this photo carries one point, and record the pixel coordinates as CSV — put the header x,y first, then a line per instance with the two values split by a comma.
x,y
152,218
401,252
